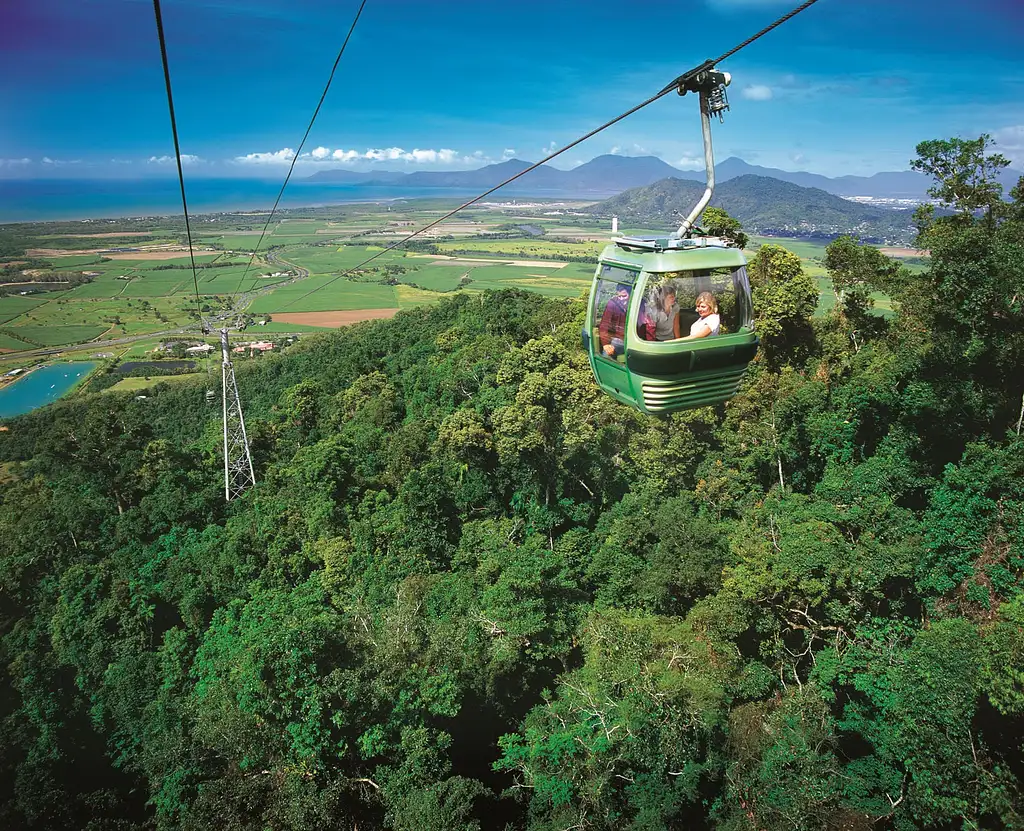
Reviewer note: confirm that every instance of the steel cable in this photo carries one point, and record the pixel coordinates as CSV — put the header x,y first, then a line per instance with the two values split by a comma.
x,y
177,153
302,144
676,84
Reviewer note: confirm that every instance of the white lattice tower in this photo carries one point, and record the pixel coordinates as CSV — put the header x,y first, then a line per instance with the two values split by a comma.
x,y
238,471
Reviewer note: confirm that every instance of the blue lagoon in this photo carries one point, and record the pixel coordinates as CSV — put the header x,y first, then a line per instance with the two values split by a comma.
x,y
42,386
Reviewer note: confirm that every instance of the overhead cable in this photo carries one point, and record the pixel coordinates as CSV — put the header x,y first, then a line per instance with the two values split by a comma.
x,y
678,84
177,154
302,144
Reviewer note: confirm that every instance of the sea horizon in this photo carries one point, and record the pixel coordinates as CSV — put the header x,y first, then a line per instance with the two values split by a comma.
x,y
69,200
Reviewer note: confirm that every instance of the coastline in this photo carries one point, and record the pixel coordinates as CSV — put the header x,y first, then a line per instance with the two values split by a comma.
x,y
72,200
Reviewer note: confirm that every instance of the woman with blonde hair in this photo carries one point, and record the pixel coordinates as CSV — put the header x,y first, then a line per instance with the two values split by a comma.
x,y
709,322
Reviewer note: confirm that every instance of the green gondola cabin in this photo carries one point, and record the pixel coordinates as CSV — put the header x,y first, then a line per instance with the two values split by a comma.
x,y
669,325
659,371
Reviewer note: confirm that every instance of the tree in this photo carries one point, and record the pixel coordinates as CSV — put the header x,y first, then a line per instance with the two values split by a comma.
x,y
965,176
785,297
718,223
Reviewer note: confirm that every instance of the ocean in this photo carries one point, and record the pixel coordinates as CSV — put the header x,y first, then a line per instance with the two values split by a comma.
x,y
42,200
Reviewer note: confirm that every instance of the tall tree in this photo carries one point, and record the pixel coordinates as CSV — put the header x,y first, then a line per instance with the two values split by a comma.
x,y
785,297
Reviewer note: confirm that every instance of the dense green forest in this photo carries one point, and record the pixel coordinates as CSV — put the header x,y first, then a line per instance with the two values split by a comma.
x,y
470,592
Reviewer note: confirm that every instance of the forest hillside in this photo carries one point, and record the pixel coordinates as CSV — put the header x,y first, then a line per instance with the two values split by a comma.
x,y
470,592
765,206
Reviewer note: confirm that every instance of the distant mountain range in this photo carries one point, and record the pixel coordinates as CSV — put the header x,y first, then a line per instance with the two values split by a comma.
x,y
603,176
608,175
763,205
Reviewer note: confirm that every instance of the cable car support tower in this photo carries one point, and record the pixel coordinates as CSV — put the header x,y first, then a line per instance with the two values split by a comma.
x,y
238,471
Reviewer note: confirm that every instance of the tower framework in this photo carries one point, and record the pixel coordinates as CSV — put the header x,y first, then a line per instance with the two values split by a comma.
x,y
238,471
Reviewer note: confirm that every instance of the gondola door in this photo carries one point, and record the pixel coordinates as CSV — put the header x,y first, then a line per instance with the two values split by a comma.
x,y
613,296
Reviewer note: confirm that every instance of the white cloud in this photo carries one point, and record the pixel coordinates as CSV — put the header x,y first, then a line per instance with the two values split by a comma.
x,y
186,159
691,163
14,162
551,148
282,156
374,154
1010,142
633,150
509,153
59,162
757,92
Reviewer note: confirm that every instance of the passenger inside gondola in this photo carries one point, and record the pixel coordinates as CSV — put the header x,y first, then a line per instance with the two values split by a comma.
x,y
612,328
708,321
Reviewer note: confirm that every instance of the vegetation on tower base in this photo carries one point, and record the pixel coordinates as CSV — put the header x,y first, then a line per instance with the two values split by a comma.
x,y
469,591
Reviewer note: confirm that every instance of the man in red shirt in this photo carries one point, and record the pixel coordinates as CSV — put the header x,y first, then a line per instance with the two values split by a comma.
x,y
612,328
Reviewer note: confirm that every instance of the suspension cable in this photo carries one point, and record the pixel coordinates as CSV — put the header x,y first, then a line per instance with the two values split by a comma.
x,y
177,156
302,144
678,84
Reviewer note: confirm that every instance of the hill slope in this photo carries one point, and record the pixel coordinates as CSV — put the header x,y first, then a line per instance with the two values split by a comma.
x,y
763,205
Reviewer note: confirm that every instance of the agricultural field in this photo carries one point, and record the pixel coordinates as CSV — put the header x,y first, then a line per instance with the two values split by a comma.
x,y
135,293
137,384
341,294
11,344
533,248
14,305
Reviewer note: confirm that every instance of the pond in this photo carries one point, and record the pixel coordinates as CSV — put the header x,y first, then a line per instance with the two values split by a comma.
x,y
42,386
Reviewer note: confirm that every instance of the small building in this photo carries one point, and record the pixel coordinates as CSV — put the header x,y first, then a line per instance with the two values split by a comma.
x,y
204,349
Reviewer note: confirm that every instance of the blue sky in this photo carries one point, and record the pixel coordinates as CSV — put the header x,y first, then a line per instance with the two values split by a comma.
x,y
848,86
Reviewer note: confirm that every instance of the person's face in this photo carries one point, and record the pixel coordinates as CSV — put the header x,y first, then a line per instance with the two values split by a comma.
x,y
622,296
670,300
703,308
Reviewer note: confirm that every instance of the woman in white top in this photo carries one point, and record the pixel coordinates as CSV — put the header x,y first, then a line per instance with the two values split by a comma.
x,y
709,322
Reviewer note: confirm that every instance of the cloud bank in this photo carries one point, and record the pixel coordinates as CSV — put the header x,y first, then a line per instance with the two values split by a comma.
x,y
385,154
186,159
1010,142
757,92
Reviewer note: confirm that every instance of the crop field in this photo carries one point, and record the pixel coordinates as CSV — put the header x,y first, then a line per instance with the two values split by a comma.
x,y
282,328
12,306
136,384
409,297
105,286
330,259
442,278
137,316
803,248
7,342
58,335
338,295
531,249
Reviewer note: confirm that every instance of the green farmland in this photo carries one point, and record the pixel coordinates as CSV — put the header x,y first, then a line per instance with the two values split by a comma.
x,y
150,292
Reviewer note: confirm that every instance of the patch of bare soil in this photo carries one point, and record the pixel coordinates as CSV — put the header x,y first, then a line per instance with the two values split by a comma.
x,y
110,234
336,318
152,255
141,254
904,252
